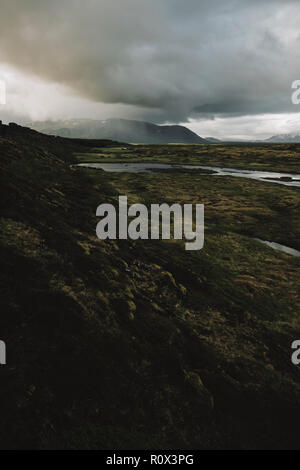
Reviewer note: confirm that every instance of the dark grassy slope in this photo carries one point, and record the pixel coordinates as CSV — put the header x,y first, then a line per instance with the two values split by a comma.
x,y
129,345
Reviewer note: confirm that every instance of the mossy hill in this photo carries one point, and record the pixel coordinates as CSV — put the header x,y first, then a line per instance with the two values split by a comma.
x,y
134,345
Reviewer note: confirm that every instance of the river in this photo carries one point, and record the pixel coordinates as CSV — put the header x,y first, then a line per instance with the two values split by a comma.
x,y
286,179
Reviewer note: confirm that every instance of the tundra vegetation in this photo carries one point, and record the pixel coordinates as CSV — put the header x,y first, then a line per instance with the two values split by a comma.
x,y
142,344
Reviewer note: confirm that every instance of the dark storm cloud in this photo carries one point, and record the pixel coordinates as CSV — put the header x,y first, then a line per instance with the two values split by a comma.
x,y
182,59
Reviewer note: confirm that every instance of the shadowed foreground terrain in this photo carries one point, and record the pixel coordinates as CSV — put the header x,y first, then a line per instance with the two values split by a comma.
x,y
141,344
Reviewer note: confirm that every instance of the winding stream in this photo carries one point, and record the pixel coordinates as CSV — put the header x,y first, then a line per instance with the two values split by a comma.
x,y
279,247
286,179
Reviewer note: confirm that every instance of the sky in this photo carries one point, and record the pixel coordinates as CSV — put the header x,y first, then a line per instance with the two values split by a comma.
x,y
223,68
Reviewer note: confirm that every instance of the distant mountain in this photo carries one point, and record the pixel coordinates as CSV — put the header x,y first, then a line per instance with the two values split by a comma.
x,y
119,129
213,140
284,138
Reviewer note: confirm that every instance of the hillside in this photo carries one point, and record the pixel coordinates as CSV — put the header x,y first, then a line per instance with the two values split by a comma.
x,y
119,129
122,345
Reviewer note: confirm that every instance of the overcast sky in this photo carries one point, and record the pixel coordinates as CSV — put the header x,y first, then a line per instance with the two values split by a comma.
x,y
222,67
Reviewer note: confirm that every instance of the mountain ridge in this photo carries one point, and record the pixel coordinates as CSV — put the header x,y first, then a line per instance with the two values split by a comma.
x,y
284,138
125,130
